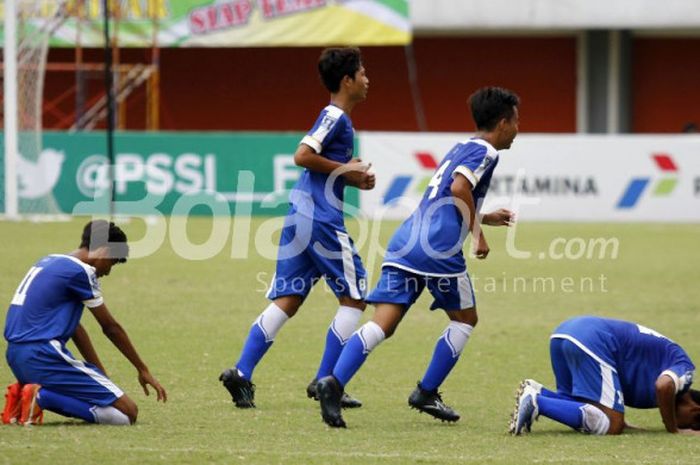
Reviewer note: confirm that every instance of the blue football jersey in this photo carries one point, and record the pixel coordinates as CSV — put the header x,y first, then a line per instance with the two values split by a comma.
x,y
332,136
638,354
49,301
430,241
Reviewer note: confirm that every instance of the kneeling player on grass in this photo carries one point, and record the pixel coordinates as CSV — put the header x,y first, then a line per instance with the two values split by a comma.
x,y
602,365
44,313
426,251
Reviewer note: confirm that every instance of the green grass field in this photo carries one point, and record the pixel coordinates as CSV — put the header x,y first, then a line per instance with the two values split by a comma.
x,y
189,319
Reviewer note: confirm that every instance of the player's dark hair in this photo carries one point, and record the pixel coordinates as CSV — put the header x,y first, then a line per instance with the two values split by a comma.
x,y
100,233
490,105
336,63
695,395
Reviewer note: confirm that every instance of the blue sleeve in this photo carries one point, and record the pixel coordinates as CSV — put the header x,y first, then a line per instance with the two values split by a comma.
x,y
329,123
682,374
85,287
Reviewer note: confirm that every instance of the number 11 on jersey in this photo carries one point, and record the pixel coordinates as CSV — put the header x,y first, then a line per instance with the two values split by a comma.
x,y
21,293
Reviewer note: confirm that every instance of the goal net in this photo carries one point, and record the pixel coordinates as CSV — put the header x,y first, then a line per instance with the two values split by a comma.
x,y
37,167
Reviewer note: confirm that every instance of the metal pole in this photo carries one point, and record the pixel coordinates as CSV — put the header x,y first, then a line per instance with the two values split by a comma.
x,y
79,73
415,90
10,109
109,89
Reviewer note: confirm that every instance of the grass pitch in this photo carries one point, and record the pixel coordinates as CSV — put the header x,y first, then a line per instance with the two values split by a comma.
x,y
189,319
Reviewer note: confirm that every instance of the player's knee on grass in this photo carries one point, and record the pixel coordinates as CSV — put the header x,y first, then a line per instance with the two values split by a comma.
x,y
595,421
128,407
110,416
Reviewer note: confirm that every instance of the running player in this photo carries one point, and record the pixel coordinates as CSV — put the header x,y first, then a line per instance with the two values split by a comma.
x,y
426,251
314,241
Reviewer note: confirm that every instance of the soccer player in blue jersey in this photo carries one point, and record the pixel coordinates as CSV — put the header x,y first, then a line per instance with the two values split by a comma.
x,y
426,251
314,241
602,365
45,313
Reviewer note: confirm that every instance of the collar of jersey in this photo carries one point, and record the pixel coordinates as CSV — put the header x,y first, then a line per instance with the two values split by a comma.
x,y
484,143
76,260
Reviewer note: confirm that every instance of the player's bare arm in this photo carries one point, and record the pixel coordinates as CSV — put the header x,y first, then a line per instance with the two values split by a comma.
x,y
115,333
461,190
666,400
500,217
306,157
355,172
87,350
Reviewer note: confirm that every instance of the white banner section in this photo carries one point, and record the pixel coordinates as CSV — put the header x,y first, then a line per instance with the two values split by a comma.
x,y
549,177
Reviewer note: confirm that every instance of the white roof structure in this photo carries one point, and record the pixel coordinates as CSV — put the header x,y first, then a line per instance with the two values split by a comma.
x,y
527,15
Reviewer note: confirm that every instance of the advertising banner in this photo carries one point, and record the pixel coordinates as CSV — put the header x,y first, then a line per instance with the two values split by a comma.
x,y
550,177
542,177
171,173
233,23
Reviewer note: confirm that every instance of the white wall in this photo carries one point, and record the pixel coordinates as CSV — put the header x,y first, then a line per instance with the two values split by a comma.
x,y
484,15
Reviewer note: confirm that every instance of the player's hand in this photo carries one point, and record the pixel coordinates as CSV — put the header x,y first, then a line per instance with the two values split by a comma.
x,y
368,182
481,250
146,379
500,217
358,174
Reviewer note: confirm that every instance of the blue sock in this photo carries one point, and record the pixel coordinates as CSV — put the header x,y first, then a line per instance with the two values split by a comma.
x,y
255,347
334,347
64,405
567,412
351,359
440,366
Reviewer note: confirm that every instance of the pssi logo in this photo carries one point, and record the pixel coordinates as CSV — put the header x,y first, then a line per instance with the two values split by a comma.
x,y
663,187
400,184
161,173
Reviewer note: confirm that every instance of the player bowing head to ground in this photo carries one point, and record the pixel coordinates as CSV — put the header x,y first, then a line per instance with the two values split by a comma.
x,y
314,241
426,251
602,365
45,312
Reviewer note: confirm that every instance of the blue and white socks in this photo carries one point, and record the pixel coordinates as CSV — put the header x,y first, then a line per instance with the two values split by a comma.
x,y
447,351
339,331
577,415
262,334
365,339
267,325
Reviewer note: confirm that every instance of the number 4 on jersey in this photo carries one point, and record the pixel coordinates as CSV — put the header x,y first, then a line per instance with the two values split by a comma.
x,y
21,293
437,179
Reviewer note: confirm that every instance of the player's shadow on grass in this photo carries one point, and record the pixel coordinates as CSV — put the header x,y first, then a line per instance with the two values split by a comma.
x,y
69,423
568,433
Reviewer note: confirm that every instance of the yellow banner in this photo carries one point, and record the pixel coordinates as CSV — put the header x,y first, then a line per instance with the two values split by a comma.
x,y
225,23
